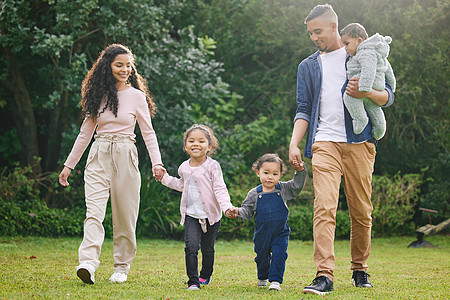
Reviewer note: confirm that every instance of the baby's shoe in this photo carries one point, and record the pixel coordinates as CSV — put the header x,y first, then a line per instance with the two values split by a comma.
x,y
263,283
275,285
118,278
86,272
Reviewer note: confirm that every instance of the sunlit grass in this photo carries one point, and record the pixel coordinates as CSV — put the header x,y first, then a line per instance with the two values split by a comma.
x,y
45,268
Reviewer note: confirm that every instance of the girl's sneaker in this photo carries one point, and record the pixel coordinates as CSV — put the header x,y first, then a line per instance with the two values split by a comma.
x,y
193,287
205,281
263,283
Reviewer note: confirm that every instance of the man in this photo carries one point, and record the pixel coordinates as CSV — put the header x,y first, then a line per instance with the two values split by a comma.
x,y
335,150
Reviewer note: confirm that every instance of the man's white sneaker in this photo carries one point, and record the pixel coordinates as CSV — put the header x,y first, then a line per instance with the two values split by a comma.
x,y
118,278
275,285
263,283
86,272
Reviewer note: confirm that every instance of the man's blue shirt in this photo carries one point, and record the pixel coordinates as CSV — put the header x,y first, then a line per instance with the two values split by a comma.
x,y
309,84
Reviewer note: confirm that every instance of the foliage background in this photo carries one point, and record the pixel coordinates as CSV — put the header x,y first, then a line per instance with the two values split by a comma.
x,y
226,63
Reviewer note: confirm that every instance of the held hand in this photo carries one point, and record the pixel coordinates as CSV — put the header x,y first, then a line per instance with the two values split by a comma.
x,y
64,175
295,158
158,172
298,166
352,89
228,213
232,213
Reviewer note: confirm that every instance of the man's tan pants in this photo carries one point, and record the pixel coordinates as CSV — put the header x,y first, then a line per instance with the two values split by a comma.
x,y
353,162
111,170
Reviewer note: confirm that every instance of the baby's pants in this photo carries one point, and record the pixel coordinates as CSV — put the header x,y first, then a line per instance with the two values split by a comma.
x,y
111,170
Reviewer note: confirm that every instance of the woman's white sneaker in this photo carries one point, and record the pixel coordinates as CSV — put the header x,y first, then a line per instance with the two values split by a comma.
x,y
118,278
86,272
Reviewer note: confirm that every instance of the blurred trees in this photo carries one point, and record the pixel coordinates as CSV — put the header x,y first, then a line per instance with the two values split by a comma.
x,y
228,63
48,46
263,41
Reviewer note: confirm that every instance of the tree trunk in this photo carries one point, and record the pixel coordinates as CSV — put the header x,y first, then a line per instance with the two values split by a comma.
x,y
58,123
25,121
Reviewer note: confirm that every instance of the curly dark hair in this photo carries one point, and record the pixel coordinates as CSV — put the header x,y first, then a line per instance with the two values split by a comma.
x,y
212,140
100,83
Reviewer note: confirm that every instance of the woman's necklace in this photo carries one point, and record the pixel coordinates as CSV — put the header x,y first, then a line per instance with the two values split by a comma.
x,y
123,86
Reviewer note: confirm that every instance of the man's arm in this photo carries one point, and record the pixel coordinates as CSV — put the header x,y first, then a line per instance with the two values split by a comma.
x,y
380,98
299,131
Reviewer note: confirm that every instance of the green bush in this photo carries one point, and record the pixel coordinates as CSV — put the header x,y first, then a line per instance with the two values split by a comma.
x,y
236,229
23,212
159,212
393,200
300,221
437,189
10,146
343,224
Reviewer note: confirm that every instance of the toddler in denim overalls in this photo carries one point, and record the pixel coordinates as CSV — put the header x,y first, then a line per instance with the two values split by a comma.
x,y
268,202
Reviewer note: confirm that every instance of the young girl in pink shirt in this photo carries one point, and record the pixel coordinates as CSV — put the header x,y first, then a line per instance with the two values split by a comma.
x,y
113,97
204,198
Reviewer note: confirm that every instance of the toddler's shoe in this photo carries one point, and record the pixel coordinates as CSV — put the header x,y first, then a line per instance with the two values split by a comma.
x,y
275,285
205,281
118,278
86,272
193,287
263,283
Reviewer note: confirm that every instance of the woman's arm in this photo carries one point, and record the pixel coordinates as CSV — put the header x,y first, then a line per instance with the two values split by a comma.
x,y
84,138
148,134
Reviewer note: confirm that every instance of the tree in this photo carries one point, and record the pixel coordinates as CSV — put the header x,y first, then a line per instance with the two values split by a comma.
x,y
46,50
263,41
43,62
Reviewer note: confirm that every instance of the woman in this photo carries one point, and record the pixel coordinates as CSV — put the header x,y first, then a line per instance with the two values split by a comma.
x,y
114,96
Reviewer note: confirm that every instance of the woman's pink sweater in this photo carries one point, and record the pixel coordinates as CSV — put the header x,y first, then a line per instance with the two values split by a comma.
x,y
132,106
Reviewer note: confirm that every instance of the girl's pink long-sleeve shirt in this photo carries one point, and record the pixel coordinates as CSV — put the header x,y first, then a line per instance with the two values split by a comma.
x,y
132,106
212,189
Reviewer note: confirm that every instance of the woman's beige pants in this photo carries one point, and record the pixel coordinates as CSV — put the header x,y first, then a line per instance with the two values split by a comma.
x,y
111,170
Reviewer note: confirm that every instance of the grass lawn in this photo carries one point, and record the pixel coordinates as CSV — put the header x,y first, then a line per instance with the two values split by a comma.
x,y
33,267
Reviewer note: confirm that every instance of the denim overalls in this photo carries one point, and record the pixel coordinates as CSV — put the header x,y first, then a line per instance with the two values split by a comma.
x,y
271,234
